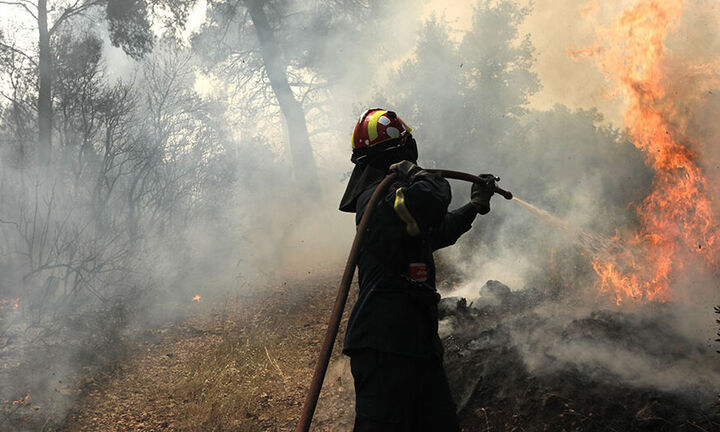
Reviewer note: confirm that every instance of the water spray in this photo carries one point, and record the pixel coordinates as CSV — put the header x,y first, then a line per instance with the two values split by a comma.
x,y
592,242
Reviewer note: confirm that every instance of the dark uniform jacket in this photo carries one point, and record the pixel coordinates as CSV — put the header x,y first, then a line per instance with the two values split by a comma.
x,y
396,309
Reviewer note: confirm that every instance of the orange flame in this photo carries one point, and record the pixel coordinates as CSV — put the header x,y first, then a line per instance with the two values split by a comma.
x,y
677,216
23,400
197,298
15,303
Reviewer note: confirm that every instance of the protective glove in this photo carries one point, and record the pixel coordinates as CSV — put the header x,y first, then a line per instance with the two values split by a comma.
x,y
405,170
481,192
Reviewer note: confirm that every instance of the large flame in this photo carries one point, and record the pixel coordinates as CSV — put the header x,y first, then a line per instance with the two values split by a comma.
x,y
677,217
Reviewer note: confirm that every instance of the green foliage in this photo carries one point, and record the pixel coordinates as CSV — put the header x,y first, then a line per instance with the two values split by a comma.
x,y
129,26
130,22
468,105
428,92
466,98
498,61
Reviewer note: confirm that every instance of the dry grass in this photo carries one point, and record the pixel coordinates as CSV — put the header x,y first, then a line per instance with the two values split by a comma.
x,y
244,367
229,381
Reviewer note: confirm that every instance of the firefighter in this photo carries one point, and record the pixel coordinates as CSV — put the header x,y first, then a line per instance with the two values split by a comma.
x,y
396,355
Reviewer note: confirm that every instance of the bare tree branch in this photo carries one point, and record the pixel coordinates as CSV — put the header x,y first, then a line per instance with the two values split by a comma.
x,y
23,4
4,46
71,11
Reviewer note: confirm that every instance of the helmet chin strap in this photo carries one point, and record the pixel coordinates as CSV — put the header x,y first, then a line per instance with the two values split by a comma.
x,y
408,152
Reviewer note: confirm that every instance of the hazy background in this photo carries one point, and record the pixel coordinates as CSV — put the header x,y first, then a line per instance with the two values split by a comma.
x,y
172,171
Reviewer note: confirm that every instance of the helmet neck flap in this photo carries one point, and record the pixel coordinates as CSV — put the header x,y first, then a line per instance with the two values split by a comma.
x,y
371,168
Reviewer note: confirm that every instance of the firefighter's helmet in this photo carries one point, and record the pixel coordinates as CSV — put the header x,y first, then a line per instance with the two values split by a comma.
x,y
376,131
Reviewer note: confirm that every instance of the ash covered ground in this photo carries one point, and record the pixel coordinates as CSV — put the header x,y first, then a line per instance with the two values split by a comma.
x,y
533,360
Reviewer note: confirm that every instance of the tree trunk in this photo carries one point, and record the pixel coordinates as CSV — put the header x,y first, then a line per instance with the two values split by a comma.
x,y
44,87
292,110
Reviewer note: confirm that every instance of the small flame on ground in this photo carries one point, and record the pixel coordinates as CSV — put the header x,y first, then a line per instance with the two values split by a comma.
x,y
197,298
23,400
14,303
677,217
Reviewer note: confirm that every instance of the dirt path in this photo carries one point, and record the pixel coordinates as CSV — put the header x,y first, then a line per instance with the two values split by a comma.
x,y
244,364
241,365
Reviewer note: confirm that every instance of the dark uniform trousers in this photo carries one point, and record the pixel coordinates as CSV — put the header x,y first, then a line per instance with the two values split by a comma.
x,y
395,352
397,393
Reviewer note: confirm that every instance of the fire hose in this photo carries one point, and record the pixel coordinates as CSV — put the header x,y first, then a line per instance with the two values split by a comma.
x,y
336,315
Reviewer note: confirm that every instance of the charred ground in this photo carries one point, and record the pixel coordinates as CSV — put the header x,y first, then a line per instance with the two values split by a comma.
x,y
497,390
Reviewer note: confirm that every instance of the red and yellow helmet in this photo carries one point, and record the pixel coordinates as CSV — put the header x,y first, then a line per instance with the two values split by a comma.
x,y
375,127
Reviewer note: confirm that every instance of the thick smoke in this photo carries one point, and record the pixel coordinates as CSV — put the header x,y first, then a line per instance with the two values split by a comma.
x,y
568,163
158,192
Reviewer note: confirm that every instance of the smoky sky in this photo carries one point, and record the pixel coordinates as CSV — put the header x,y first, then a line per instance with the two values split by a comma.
x,y
488,87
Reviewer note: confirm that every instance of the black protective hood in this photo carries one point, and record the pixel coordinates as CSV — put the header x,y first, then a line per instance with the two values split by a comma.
x,y
372,172
362,177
